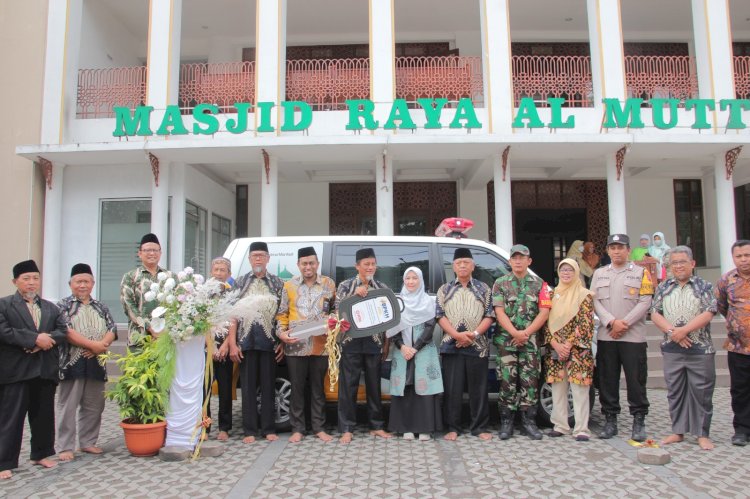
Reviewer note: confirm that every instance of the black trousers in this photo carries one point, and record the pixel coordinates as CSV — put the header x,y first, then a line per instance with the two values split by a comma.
x,y
35,397
223,376
350,368
460,370
611,357
303,370
258,370
739,389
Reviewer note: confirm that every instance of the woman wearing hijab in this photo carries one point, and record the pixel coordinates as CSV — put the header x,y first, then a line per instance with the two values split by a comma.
x,y
415,367
659,250
641,251
570,361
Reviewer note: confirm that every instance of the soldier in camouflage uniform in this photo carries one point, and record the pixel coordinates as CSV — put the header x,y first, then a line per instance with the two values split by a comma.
x,y
522,303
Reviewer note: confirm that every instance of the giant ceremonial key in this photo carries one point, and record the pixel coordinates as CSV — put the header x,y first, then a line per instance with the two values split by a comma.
x,y
374,313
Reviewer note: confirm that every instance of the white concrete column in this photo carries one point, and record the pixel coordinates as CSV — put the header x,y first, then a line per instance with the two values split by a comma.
x,y
165,21
713,51
60,69
616,198
382,52
177,176
160,212
605,45
384,194
725,219
52,282
503,205
270,56
497,64
269,198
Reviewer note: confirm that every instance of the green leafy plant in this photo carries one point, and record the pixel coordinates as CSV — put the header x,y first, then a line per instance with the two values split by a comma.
x,y
137,390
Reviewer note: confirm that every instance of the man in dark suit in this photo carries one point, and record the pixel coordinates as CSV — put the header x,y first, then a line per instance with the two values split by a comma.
x,y
31,329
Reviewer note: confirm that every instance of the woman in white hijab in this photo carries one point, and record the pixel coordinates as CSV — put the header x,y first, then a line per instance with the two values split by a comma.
x,y
570,361
659,249
415,367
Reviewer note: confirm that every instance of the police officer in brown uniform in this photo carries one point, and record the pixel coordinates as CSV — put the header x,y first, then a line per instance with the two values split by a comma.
x,y
622,298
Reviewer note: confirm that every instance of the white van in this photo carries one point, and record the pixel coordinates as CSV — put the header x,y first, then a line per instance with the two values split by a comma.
x,y
432,255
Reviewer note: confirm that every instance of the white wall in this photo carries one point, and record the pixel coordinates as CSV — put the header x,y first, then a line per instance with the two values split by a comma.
x,y
83,188
214,197
105,43
303,209
650,208
472,204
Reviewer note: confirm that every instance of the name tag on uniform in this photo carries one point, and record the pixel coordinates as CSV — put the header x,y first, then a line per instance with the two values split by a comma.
x,y
374,313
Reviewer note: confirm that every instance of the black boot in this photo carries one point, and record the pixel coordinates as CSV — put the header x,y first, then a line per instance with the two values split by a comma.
x,y
528,424
506,423
639,428
610,426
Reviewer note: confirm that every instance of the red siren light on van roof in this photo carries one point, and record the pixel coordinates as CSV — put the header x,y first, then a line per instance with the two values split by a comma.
x,y
454,227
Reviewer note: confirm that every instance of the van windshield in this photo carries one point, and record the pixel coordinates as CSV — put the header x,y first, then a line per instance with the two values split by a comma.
x,y
488,266
393,260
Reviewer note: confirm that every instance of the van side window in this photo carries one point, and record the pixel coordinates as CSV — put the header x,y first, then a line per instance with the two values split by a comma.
x,y
393,260
488,266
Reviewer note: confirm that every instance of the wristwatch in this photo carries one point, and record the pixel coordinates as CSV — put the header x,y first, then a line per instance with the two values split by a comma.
x,y
669,332
476,334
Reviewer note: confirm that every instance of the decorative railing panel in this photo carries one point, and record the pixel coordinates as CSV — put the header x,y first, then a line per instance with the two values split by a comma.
x,y
99,90
661,77
449,77
564,76
326,84
742,76
222,84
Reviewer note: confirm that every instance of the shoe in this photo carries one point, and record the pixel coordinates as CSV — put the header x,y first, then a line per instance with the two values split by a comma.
x,y
555,434
739,439
639,428
408,436
528,425
582,437
506,423
610,427
423,437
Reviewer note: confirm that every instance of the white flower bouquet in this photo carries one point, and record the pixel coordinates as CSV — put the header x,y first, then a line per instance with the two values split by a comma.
x,y
188,304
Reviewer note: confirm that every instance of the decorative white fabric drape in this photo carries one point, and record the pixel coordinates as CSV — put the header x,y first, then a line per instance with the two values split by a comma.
x,y
186,394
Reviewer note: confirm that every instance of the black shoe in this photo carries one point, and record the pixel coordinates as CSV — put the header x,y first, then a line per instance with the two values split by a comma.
x,y
739,439
555,434
506,423
639,428
582,437
528,425
610,427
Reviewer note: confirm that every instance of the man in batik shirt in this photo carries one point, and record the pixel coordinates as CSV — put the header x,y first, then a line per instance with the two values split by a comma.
x,y
135,284
522,302
253,345
91,329
360,354
305,298
733,298
464,312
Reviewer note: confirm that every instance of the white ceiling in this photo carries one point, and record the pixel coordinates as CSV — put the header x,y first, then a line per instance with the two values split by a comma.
x,y
345,21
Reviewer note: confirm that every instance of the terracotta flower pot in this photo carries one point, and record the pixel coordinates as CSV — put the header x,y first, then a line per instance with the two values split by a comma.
x,y
143,440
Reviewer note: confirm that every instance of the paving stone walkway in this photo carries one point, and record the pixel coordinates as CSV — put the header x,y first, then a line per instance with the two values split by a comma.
x,y
370,467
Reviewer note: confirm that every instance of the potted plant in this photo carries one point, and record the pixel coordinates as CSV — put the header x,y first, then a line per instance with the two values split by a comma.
x,y
142,402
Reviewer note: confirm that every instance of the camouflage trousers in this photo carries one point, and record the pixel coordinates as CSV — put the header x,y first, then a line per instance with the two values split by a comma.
x,y
518,371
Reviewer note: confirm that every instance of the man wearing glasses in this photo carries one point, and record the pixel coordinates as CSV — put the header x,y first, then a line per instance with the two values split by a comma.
x,y
136,283
683,308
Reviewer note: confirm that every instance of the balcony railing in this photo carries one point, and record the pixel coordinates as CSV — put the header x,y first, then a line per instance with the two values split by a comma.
x,y
222,84
326,84
559,76
661,77
99,90
450,77
742,76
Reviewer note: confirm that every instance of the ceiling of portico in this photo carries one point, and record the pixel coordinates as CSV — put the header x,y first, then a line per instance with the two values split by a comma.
x,y
345,21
